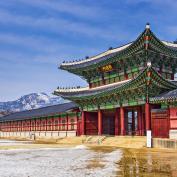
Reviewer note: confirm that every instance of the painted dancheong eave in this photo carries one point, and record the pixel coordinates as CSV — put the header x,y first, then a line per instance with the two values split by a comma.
x,y
108,53
94,58
61,91
121,53
139,81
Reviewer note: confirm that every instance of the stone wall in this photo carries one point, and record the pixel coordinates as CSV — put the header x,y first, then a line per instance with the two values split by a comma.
x,y
38,134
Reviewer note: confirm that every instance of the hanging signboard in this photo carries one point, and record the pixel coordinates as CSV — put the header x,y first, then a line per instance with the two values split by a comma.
x,y
107,68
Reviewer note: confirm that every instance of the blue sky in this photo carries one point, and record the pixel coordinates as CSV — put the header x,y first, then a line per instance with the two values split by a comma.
x,y
37,35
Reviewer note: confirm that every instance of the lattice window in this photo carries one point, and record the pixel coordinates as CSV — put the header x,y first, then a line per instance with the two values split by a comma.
x,y
122,77
49,125
112,80
63,124
117,79
72,124
168,76
56,124
107,81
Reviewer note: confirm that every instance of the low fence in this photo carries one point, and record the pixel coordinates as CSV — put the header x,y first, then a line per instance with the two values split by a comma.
x,y
38,134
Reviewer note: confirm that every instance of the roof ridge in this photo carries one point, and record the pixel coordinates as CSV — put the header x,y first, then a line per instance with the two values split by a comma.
x,y
36,109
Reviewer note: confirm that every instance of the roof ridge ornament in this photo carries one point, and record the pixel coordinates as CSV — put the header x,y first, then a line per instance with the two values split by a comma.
x,y
148,64
147,25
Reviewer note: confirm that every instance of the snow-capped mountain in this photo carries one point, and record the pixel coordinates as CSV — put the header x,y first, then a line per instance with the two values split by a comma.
x,y
30,101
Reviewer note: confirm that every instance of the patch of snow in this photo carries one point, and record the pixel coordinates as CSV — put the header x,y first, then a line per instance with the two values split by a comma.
x,y
58,162
80,147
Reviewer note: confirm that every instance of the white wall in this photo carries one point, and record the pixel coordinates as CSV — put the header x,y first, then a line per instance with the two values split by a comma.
x,y
38,134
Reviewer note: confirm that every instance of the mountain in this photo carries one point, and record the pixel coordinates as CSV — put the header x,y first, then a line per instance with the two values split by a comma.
x,y
30,101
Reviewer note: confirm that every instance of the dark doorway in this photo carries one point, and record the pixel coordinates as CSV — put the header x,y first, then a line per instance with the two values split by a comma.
x,y
91,123
131,122
108,123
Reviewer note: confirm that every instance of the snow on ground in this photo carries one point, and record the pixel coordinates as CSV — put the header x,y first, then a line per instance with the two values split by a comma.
x,y
9,142
61,162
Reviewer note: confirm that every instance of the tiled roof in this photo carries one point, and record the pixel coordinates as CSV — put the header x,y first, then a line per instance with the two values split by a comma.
x,y
107,54
103,56
88,91
117,86
45,111
167,96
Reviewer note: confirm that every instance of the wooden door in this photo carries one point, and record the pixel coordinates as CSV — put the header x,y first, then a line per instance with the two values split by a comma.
x,y
108,123
91,123
160,123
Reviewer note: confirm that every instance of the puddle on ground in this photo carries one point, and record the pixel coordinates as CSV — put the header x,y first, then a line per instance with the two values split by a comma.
x,y
147,163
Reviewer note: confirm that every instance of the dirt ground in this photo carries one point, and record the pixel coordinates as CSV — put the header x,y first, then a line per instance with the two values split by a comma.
x,y
140,162
48,160
143,162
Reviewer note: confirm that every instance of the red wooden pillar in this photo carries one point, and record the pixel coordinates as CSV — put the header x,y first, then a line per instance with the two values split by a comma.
x,y
10,126
147,116
34,121
59,122
78,125
117,122
122,120
21,126
99,122
30,125
83,122
39,124
67,122
46,124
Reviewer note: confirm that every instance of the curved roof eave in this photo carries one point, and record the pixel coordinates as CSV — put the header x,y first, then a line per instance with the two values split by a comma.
x,y
94,58
88,93
78,66
170,44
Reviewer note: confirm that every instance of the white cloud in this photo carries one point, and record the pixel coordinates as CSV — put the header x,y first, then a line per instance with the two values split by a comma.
x,y
60,25
66,6
45,50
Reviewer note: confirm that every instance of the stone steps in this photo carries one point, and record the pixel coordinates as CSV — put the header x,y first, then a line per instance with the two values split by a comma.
x,y
95,139
125,141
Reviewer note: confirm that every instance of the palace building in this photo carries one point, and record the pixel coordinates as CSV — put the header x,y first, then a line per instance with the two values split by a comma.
x,y
131,89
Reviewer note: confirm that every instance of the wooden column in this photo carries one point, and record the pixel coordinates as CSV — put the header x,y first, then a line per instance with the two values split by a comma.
x,y
10,127
21,124
99,122
46,124
67,122
122,120
78,125
117,122
147,116
83,122
40,124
